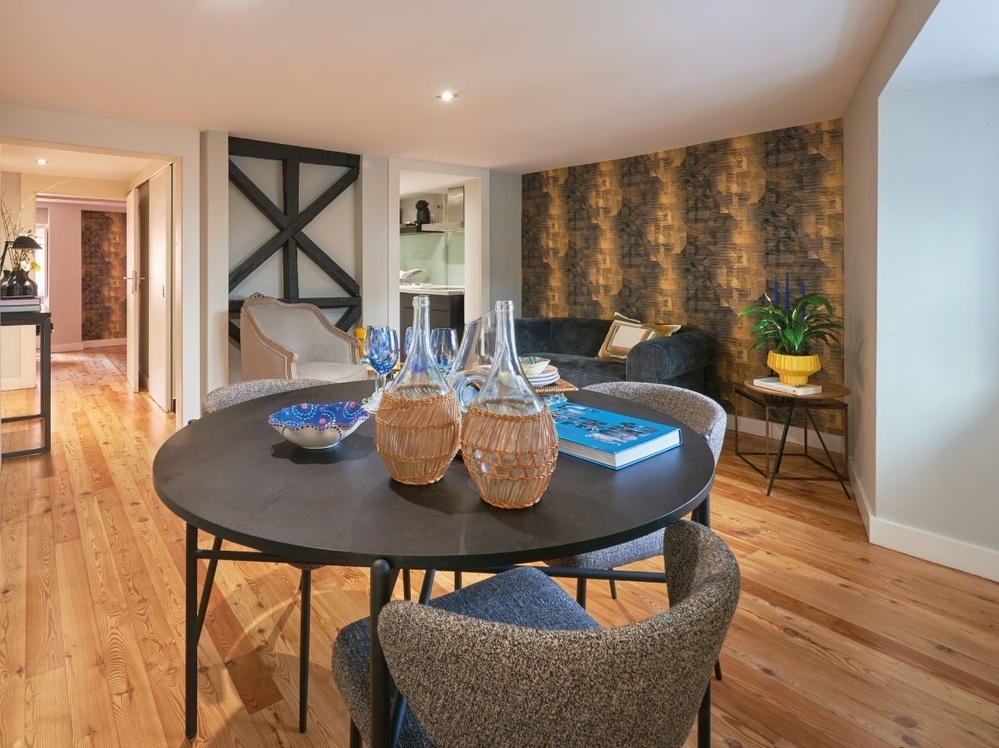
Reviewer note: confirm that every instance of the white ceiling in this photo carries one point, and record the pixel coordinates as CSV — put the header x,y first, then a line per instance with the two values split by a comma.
x,y
70,163
540,83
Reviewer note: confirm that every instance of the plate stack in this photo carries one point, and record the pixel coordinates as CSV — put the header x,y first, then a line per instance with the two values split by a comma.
x,y
548,375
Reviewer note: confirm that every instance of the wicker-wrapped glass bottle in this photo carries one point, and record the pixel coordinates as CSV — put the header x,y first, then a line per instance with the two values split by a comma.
x,y
417,425
508,439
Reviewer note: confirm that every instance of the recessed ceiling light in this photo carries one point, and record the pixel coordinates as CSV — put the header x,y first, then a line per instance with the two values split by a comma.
x,y
41,161
447,95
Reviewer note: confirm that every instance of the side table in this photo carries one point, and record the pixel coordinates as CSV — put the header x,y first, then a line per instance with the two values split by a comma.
x,y
43,320
832,397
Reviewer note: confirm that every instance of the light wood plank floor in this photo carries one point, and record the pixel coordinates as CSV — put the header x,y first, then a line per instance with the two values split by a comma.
x,y
836,642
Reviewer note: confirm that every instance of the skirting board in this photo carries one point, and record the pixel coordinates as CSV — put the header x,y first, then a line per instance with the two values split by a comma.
x,y
795,434
69,347
912,541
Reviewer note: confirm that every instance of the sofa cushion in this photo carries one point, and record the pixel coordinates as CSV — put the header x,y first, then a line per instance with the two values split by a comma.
x,y
584,370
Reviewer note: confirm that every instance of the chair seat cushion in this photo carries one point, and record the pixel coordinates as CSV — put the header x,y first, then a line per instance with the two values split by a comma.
x,y
522,597
648,546
331,372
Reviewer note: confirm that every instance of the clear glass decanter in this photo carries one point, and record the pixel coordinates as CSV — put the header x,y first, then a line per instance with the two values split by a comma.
x,y
507,389
508,438
417,424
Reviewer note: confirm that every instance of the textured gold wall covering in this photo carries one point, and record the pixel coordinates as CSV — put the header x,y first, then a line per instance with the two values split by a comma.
x,y
692,236
103,246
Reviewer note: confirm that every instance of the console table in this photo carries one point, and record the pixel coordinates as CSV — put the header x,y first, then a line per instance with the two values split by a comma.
x,y
832,397
43,320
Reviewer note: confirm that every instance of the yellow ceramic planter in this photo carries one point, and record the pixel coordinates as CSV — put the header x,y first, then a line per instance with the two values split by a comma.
x,y
793,370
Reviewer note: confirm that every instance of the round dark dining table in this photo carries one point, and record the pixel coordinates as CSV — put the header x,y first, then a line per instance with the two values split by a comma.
x,y
232,475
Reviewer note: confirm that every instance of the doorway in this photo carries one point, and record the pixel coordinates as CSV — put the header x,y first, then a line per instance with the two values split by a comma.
x,y
75,182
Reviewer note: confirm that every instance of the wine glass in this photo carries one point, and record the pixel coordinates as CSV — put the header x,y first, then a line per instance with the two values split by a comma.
x,y
383,353
444,344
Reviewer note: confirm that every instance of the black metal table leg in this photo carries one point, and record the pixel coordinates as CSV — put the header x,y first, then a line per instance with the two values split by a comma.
x,y
191,635
46,384
303,665
381,708
832,464
780,447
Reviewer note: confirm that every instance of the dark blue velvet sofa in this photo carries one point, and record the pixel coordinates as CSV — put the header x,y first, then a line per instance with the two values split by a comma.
x,y
572,345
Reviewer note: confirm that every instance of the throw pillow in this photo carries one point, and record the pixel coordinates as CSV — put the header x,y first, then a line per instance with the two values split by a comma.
x,y
623,335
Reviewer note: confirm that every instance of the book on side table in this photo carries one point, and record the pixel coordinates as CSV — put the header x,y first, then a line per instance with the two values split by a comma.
x,y
774,383
610,439
20,304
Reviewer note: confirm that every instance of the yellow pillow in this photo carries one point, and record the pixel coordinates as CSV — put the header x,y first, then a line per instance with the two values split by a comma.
x,y
625,333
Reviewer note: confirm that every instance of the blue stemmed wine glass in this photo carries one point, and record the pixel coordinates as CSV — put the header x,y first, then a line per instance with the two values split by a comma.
x,y
383,353
444,344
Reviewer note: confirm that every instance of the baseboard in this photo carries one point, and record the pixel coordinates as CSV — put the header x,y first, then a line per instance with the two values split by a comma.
x,y
795,434
928,546
104,343
83,345
17,383
66,347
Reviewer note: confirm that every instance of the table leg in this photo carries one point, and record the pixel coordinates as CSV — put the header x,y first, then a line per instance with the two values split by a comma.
x,y
832,464
780,447
191,635
381,708
46,385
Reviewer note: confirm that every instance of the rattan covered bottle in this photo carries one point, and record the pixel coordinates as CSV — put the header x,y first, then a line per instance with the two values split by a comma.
x,y
508,439
417,425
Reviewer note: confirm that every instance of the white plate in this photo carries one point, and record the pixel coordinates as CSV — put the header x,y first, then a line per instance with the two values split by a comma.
x,y
545,378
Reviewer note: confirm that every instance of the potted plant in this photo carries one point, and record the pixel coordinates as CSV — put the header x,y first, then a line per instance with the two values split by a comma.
x,y
793,329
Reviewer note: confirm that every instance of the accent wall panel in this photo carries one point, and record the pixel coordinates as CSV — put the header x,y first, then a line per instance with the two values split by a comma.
x,y
103,258
692,236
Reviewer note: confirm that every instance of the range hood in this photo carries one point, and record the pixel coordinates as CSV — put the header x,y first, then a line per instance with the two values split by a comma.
x,y
454,212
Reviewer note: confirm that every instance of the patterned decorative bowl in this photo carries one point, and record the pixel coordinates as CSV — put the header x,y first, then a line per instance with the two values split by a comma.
x,y
533,364
318,426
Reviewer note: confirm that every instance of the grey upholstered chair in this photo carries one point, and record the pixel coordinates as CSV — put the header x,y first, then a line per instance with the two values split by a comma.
x,y
234,394
513,660
294,341
699,412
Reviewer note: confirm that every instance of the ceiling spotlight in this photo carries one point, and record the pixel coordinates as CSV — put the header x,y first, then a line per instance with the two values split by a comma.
x,y
447,95
41,161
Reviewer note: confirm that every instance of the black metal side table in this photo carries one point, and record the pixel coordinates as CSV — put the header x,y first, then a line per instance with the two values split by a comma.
x,y
43,320
832,397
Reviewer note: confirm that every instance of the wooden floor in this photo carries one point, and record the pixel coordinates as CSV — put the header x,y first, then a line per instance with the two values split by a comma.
x,y
835,643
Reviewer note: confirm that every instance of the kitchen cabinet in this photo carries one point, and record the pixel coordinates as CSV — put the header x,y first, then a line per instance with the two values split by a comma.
x,y
446,310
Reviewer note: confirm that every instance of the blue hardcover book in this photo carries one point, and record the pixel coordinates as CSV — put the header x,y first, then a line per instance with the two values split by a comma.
x,y
610,439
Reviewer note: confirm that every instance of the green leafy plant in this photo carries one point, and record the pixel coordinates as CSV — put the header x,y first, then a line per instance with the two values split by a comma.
x,y
795,328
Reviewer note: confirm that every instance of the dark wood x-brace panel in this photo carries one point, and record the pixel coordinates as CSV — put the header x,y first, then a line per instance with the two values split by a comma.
x,y
291,222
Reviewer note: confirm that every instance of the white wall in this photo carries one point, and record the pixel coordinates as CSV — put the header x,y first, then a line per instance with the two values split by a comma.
x,y
504,239
938,264
906,523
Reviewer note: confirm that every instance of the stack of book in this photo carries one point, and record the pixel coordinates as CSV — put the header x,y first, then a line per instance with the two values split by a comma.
x,y
774,383
610,439
20,304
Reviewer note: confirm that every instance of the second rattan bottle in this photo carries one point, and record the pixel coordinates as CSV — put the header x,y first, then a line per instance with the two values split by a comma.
x,y
417,425
508,439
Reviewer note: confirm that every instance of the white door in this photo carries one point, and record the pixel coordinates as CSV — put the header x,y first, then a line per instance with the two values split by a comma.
x,y
158,284
132,285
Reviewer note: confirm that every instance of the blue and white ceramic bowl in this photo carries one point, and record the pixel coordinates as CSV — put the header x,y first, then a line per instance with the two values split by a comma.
x,y
318,426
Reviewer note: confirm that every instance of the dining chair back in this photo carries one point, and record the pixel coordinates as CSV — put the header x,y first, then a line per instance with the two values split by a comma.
x,y
514,660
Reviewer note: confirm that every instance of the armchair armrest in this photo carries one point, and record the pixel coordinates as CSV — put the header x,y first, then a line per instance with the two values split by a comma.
x,y
663,359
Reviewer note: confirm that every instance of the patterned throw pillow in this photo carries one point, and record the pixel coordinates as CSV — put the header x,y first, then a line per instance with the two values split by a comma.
x,y
625,333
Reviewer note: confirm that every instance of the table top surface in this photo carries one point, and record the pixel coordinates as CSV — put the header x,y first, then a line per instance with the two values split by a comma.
x,y
33,316
231,474
830,391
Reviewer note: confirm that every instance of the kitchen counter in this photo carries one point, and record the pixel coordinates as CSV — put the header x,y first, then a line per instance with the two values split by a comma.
x,y
430,289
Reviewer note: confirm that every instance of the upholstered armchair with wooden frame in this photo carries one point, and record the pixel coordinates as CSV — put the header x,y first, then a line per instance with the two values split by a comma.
x,y
295,341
